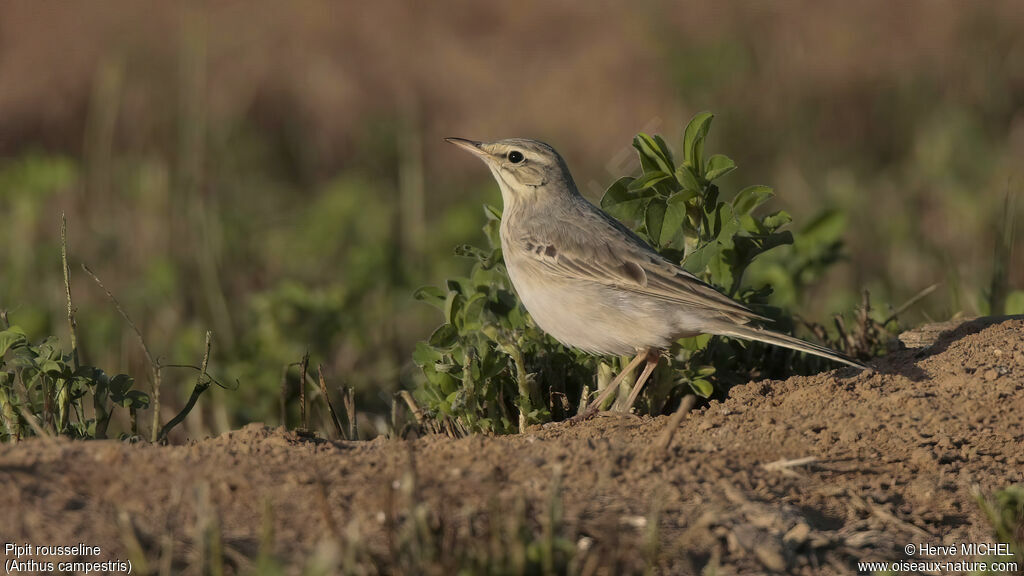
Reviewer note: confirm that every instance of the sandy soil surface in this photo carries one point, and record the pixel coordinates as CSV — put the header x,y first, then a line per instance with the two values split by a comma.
x,y
871,462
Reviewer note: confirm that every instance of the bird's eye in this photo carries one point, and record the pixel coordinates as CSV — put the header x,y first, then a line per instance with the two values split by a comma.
x,y
515,157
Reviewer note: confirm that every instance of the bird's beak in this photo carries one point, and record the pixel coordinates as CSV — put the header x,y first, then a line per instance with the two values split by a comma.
x,y
470,145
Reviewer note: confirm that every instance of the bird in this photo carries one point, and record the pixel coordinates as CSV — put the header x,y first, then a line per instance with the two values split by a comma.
x,y
593,284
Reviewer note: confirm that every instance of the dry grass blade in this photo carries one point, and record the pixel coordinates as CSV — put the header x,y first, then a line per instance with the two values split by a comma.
x,y
72,324
417,412
31,419
350,411
330,405
789,463
674,421
154,366
913,300
19,389
786,465
303,368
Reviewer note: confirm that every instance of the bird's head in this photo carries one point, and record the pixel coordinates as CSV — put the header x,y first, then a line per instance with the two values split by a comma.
x,y
522,167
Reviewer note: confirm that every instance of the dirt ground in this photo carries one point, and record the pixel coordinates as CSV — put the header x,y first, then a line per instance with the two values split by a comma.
x,y
893,457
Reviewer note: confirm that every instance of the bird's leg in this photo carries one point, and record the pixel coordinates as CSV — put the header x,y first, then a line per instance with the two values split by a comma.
x,y
614,385
652,358
610,389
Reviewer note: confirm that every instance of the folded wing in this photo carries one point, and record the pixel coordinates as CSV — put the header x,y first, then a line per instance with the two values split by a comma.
x,y
621,259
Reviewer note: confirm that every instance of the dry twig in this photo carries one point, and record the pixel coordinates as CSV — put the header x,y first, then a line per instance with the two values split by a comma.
x,y
330,405
154,365
687,404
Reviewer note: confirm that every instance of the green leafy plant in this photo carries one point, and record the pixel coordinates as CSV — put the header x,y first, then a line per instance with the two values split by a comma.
x,y
488,351
488,367
46,391
42,392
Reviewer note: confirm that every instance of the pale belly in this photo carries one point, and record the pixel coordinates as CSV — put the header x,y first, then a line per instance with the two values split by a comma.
x,y
595,318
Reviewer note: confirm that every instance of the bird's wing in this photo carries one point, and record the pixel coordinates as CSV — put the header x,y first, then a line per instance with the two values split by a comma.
x,y
617,257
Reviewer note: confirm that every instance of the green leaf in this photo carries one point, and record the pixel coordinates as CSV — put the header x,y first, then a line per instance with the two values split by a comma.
x,y
431,295
665,150
711,198
49,348
749,247
718,165
687,179
51,367
750,198
137,399
120,385
452,305
473,312
702,340
720,268
654,218
648,180
702,387
424,355
776,239
491,212
651,150
777,220
693,139
675,216
492,230
92,374
445,336
10,338
725,225
696,262
447,384
706,371
620,203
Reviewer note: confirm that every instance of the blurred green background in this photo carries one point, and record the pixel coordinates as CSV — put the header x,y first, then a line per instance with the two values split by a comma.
x,y
276,172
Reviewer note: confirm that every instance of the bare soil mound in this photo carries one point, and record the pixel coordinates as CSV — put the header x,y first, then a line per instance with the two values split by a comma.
x,y
809,476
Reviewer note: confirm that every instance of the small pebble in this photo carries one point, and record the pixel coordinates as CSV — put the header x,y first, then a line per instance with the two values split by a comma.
x,y
797,535
770,556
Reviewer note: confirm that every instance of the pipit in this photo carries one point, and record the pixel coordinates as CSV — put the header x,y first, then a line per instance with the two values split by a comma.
x,y
590,282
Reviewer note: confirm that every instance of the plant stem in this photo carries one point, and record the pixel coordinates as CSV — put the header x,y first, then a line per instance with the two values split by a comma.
x,y
327,400
525,403
154,366
72,324
304,367
64,395
199,388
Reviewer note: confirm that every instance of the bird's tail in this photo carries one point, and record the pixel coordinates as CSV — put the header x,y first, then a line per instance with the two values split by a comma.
x,y
769,337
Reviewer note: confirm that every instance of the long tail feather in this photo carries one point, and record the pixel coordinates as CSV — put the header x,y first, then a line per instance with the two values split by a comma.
x,y
769,337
